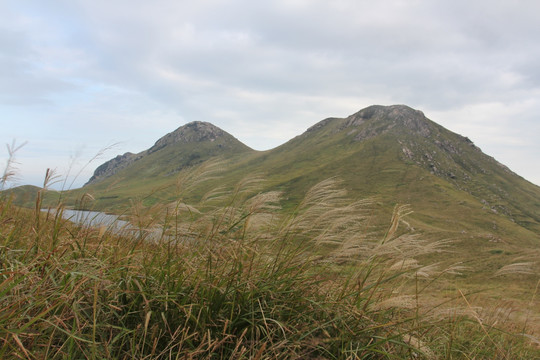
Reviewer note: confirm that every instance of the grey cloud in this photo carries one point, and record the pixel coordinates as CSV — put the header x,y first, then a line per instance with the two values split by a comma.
x,y
285,63
25,78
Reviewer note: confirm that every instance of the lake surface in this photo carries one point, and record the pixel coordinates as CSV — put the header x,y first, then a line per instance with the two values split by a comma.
x,y
112,222
93,218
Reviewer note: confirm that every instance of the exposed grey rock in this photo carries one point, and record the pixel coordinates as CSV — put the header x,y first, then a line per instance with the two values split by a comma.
x,y
195,131
403,115
407,152
112,166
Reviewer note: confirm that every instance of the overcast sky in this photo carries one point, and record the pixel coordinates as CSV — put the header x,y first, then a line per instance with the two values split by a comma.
x,y
78,76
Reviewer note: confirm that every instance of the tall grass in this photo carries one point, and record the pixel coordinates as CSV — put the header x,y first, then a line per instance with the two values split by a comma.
x,y
234,278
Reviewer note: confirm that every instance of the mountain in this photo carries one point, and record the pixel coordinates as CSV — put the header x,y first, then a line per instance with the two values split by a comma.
x,y
488,216
131,176
188,145
397,151
391,154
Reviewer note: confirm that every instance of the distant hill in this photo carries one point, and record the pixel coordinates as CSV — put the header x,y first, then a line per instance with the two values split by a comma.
x,y
24,195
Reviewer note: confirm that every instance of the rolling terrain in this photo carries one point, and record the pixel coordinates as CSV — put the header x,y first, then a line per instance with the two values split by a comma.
x,y
392,154
486,217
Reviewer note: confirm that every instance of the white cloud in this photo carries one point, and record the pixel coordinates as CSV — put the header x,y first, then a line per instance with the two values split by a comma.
x,y
97,71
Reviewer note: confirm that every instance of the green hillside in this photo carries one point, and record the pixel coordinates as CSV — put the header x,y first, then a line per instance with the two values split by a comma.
x,y
392,154
463,211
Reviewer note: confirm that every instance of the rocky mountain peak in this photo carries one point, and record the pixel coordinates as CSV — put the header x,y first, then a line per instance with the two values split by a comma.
x,y
189,135
193,132
391,116
378,119
398,112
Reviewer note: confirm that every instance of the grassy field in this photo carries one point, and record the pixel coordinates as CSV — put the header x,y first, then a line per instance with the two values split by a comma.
x,y
238,278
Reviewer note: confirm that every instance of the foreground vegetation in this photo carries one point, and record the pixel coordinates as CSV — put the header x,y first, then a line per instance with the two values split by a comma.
x,y
233,281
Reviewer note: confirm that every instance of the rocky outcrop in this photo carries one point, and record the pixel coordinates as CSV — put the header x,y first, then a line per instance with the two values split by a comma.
x,y
196,131
112,166
387,117
377,120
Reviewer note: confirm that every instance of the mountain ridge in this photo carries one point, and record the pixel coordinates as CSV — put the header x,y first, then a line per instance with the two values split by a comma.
x,y
384,157
392,153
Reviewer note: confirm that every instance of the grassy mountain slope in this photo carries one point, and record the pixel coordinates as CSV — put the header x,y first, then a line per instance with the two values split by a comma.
x,y
393,154
397,155
131,176
390,154
222,290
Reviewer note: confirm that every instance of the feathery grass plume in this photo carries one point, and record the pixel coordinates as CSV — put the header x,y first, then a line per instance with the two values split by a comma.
x,y
231,283
190,178
400,211
234,209
97,156
215,195
326,215
146,221
10,170
407,246
418,345
50,179
395,302
457,269
403,249
455,312
179,220
179,207
405,265
501,313
525,268
356,244
262,214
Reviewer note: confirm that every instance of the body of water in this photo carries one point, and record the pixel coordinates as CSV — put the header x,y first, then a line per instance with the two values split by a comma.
x,y
94,218
112,222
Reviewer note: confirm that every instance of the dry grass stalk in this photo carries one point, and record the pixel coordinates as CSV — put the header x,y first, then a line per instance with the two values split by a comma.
x,y
10,169
211,288
525,268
